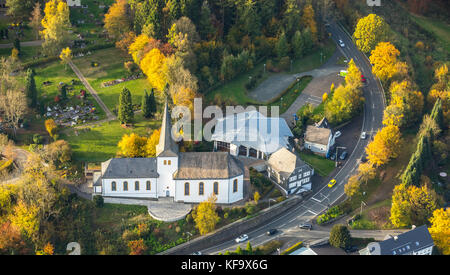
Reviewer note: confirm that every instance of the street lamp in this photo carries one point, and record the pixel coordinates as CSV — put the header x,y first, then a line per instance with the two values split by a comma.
x,y
264,68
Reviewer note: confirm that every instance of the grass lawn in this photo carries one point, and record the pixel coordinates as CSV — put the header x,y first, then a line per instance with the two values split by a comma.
x,y
321,165
100,142
235,89
287,99
438,28
26,53
110,67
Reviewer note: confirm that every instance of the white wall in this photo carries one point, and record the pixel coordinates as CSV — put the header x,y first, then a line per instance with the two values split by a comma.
x,y
166,172
225,196
142,193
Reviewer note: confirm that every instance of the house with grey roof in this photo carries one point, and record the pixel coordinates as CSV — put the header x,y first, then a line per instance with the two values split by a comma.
x,y
189,177
319,140
417,241
289,172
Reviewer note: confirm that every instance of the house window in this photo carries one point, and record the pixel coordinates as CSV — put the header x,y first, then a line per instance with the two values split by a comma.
x,y
169,162
186,189
148,185
113,186
125,186
136,185
216,188
306,174
165,162
235,186
201,187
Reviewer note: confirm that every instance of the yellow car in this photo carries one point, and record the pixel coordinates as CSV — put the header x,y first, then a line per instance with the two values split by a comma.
x,y
332,183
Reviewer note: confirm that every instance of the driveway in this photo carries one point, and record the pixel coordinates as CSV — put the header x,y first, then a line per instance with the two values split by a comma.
x,y
276,84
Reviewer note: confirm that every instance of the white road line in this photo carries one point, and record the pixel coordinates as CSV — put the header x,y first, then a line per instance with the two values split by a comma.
x,y
315,199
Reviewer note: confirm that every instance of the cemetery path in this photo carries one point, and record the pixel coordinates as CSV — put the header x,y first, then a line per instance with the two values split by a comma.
x,y
23,44
109,114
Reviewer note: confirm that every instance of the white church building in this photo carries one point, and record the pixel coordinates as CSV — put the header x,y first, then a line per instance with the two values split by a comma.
x,y
189,177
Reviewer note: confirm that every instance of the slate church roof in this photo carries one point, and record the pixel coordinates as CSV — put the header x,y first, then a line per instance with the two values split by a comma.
x,y
166,147
208,165
123,168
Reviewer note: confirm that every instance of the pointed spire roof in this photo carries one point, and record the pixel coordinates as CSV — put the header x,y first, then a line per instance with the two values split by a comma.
x,y
166,146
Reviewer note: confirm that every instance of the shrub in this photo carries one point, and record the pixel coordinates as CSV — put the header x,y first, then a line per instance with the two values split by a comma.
x,y
292,248
98,201
284,63
37,139
340,236
332,213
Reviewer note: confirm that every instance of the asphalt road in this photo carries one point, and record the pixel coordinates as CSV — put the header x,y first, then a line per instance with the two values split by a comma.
x,y
325,196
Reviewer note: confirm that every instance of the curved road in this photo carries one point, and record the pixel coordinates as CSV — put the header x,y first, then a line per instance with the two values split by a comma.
x,y
316,203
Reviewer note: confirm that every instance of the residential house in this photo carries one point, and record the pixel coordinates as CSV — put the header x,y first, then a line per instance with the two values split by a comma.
x,y
289,172
417,241
319,140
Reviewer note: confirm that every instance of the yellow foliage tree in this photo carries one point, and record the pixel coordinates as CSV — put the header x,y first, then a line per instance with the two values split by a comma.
x,y
51,127
385,145
256,197
205,216
353,186
137,47
370,31
308,20
132,146
154,67
366,171
324,97
152,141
26,218
384,60
440,229
66,56
56,24
353,77
184,97
117,21
48,250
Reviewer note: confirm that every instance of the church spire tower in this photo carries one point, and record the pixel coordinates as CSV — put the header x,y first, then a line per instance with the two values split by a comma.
x,y
166,146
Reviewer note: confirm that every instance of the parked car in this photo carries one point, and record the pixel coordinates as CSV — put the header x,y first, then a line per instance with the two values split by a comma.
x,y
341,43
363,79
337,134
343,155
305,226
272,232
333,157
363,135
332,183
197,253
241,238
351,249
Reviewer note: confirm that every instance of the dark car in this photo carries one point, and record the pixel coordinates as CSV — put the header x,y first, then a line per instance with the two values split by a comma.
x,y
343,155
305,226
272,232
351,249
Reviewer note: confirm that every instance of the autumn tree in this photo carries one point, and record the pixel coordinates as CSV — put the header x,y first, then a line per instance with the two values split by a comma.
x,y
256,197
205,215
366,172
137,247
340,236
11,240
152,141
36,19
58,153
132,146
52,128
385,145
56,24
47,250
308,21
66,56
385,63
14,106
125,112
440,229
153,66
19,10
346,102
353,186
353,77
370,31
118,19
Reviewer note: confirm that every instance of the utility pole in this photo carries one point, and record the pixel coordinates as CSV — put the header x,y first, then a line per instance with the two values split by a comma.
x,y
362,202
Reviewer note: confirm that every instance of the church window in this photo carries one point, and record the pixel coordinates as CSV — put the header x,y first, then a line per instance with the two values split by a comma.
x,y
169,161
125,186
136,185
165,162
216,188
235,186
113,186
148,185
186,189
201,187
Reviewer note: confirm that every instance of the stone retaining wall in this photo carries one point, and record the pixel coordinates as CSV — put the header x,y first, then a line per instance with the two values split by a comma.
x,y
233,230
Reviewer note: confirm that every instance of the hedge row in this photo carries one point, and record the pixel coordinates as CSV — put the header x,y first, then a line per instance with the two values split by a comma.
x,y
292,248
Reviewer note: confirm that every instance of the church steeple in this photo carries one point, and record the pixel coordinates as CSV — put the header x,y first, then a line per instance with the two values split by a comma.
x,y
166,146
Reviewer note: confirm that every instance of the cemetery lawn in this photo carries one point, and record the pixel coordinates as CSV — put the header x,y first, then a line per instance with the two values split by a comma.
x,y
100,142
110,67
56,73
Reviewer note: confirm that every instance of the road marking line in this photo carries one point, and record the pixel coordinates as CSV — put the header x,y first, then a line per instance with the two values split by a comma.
x,y
315,199
312,212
